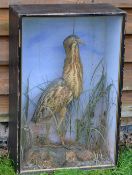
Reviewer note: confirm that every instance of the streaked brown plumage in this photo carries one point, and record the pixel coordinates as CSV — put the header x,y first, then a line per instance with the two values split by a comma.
x,y
61,92
54,99
73,71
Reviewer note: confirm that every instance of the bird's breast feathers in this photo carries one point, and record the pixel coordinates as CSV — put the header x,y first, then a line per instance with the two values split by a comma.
x,y
73,75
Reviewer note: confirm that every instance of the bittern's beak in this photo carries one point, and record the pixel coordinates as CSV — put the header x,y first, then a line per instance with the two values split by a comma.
x,y
79,41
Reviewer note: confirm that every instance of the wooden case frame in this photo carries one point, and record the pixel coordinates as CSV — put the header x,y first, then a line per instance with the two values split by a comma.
x,y
17,12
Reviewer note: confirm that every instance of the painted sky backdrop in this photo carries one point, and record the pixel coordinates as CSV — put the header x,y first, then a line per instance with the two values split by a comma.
x,y
43,54
43,45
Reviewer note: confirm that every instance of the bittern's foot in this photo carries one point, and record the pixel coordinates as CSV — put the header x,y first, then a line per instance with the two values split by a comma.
x,y
63,144
62,141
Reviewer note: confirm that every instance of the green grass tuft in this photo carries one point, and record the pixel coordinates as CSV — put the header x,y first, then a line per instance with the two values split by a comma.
x,y
6,166
124,167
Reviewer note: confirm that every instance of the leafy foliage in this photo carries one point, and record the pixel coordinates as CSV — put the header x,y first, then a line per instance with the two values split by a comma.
x,y
6,166
85,126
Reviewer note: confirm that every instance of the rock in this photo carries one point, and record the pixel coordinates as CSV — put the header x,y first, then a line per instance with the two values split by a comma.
x,y
71,156
122,139
38,156
45,164
3,152
126,139
129,140
58,156
84,155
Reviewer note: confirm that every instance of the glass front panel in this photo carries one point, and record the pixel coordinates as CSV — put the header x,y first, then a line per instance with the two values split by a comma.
x,y
70,75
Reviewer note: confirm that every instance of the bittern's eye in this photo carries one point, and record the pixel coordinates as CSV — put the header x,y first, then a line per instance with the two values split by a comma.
x,y
70,46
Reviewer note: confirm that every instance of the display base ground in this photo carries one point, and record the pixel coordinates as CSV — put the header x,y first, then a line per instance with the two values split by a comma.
x,y
56,156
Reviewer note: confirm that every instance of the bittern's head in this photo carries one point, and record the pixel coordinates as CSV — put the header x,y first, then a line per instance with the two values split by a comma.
x,y
71,40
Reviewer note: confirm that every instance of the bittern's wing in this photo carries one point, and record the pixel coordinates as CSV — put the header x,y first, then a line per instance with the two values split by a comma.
x,y
55,96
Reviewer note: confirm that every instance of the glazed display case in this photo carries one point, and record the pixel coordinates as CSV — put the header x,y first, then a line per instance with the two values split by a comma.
x,y
66,71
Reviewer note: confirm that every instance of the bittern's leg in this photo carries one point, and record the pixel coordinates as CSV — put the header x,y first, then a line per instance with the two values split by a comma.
x,y
62,116
47,118
47,132
59,128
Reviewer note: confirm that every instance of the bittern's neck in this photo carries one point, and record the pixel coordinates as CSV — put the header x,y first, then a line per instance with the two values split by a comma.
x,y
73,54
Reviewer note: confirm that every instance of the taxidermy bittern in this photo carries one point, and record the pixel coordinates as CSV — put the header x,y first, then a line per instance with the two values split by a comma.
x,y
58,95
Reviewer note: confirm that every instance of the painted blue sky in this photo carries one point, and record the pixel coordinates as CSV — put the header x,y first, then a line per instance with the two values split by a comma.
x,y
43,45
43,53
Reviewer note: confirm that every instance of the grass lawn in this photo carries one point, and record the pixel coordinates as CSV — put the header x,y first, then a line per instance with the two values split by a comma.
x,y
124,167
